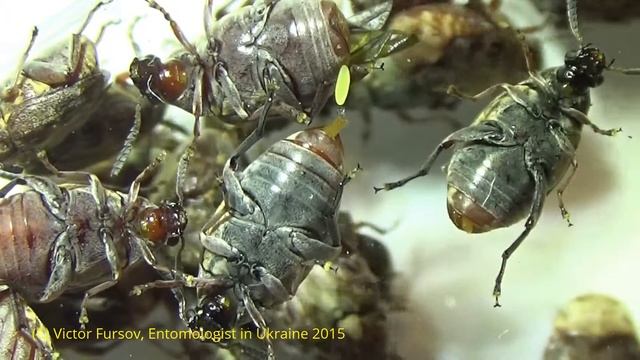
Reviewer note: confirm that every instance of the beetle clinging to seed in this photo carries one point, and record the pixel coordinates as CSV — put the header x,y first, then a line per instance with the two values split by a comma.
x,y
521,146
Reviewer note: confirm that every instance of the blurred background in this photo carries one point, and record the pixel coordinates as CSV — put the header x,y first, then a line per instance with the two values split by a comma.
x,y
447,275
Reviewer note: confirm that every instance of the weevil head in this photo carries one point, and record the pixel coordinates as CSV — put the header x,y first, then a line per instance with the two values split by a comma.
x,y
337,26
467,215
164,224
158,81
583,69
217,312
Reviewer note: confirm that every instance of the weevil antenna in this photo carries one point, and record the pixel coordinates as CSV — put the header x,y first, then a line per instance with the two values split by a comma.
x,y
572,15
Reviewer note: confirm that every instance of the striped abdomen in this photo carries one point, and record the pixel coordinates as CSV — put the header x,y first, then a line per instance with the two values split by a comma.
x,y
28,231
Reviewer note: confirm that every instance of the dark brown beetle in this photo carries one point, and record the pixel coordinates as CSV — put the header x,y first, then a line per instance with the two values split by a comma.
x,y
278,57
521,146
55,239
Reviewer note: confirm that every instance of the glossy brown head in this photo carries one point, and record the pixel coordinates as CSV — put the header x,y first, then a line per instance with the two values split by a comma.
x,y
158,81
163,225
337,26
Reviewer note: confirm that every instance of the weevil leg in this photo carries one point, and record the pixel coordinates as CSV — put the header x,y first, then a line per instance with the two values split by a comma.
x,y
582,118
63,264
102,30
563,187
259,15
123,155
256,134
230,91
168,275
91,13
84,318
218,246
134,189
458,136
310,249
10,185
234,196
22,323
626,71
53,195
11,93
519,98
183,168
78,55
185,281
319,99
219,216
272,283
537,173
345,180
137,50
177,31
276,81
490,132
256,317
454,91
114,257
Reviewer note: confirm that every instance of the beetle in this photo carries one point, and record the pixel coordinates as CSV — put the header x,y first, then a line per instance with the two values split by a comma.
x,y
23,335
450,36
591,327
351,298
51,97
519,148
277,57
69,237
257,250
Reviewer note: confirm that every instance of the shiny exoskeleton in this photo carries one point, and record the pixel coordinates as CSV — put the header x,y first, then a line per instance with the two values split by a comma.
x,y
593,327
22,334
72,237
52,96
450,37
278,57
278,220
520,147
351,297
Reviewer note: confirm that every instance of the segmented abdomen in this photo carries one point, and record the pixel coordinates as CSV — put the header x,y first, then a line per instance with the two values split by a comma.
x,y
28,231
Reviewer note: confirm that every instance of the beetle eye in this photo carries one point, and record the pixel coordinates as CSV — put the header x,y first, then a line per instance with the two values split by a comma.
x,y
163,81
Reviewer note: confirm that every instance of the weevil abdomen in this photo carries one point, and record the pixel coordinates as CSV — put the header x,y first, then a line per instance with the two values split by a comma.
x,y
28,231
